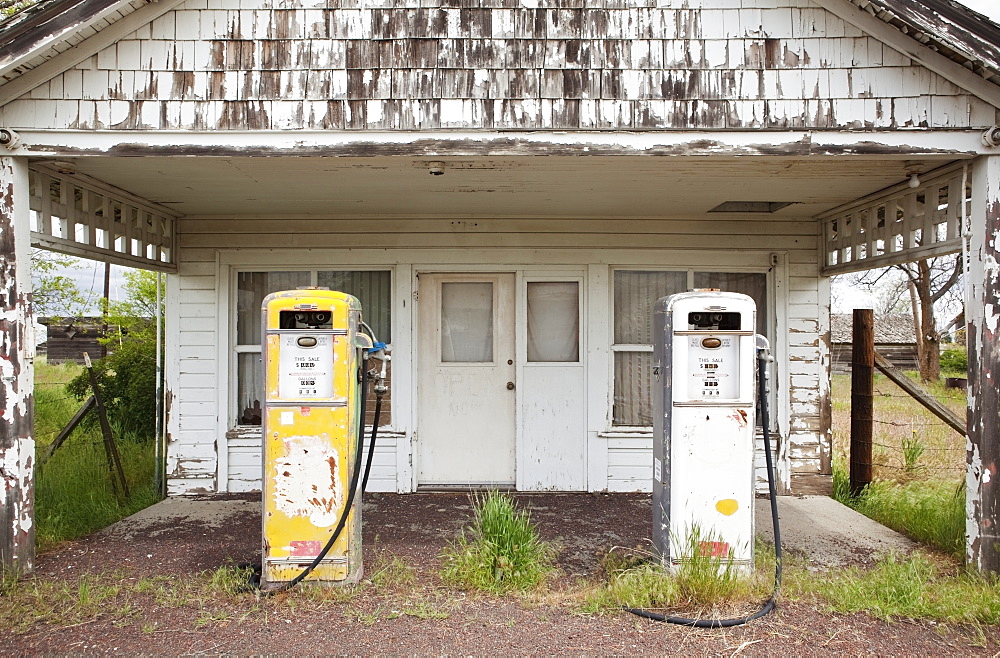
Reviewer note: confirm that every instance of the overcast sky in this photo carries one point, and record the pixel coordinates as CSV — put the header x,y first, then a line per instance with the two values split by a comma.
x,y
989,8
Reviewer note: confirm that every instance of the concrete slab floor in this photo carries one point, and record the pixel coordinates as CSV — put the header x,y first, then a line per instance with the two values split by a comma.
x,y
816,528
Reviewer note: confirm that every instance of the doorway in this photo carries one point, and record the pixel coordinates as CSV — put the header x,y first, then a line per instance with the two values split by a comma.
x,y
466,386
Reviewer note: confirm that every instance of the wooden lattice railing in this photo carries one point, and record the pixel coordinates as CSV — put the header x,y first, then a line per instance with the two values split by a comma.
x,y
74,214
900,225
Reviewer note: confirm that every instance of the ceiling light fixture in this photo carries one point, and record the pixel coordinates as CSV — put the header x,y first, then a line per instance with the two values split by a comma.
x,y
913,170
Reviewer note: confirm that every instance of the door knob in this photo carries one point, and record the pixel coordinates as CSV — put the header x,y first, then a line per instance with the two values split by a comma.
x,y
510,386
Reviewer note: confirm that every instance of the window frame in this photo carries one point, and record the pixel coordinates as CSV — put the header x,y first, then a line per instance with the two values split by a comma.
x,y
236,349
615,348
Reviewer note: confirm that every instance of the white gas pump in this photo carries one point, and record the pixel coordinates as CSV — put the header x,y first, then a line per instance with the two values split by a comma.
x,y
704,367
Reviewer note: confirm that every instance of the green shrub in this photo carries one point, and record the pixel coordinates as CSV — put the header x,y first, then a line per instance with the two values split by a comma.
x,y
955,360
127,375
500,552
127,378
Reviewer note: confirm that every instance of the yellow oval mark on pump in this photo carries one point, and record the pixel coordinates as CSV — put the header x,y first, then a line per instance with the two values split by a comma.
x,y
727,506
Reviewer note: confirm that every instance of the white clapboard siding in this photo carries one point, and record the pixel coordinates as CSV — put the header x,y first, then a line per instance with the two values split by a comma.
x,y
630,463
657,243
192,367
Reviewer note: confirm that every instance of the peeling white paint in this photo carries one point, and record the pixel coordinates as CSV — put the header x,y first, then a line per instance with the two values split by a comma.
x,y
307,480
990,317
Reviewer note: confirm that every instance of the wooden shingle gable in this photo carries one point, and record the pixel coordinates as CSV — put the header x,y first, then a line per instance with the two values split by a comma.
x,y
622,65
963,35
47,28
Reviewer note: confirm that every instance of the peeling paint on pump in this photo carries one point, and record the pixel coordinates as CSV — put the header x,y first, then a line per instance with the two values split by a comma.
x,y
311,417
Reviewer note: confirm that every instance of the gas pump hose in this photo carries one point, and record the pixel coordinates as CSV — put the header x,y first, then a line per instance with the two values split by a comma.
x,y
772,489
352,491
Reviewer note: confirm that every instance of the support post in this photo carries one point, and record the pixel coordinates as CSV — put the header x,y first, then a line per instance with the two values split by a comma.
x,y
862,398
17,348
982,312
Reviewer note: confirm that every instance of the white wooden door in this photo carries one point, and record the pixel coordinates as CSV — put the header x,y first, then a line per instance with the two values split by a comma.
x,y
466,392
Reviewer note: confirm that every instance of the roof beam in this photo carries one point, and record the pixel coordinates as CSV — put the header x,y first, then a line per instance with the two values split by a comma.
x,y
906,144
910,47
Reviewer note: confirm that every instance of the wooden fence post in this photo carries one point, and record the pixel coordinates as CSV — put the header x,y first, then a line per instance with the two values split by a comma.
x,y
114,459
862,398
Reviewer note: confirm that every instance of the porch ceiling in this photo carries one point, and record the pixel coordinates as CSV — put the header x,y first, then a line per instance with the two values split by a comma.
x,y
591,186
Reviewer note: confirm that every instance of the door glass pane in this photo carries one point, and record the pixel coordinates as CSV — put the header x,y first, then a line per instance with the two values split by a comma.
x,y
467,322
635,294
373,291
553,321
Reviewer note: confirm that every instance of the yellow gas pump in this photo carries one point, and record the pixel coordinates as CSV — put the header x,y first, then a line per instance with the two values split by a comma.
x,y
312,352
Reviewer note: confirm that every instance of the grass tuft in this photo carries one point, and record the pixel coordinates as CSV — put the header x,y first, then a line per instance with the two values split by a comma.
x,y
914,587
702,582
929,511
500,552
73,491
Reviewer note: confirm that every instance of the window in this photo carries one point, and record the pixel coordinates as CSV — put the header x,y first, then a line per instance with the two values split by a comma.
x,y
372,288
635,292
553,321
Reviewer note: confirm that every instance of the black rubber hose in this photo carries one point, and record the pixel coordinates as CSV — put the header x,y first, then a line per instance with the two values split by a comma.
x,y
348,505
371,443
772,489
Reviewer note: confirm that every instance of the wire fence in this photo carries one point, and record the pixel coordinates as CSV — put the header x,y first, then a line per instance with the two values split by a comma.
x,y
909,442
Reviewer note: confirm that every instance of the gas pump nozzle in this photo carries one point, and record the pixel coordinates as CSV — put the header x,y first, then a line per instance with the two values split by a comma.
x,y
763,348
380,352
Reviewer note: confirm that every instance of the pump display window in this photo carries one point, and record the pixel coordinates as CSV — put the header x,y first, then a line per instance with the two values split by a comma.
x,y
371,287
635,292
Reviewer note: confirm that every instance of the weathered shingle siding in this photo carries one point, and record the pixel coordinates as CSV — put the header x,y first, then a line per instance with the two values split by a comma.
x,y
226,65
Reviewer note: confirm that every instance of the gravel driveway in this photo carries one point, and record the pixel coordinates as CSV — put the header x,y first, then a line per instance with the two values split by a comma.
x,y
161,599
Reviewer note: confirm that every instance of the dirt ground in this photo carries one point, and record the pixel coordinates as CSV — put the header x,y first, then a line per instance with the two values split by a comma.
x,y
418,617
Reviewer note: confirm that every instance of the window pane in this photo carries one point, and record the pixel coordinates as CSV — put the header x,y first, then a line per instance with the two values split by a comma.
x,y
373,290
251,289
250,396
467,322
635,294
633,388
554,321
752,284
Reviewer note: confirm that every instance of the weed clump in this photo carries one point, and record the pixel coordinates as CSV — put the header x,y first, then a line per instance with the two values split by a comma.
x,y
500,552
700,582
930,511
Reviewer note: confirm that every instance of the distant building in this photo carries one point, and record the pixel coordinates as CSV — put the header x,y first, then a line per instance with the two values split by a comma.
x,y
895,339
69,338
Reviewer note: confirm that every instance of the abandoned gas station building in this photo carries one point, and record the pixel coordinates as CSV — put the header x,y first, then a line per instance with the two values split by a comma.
x,y
507,186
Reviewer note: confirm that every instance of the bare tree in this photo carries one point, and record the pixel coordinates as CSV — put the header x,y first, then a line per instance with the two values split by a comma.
x,y
930,281
922,287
